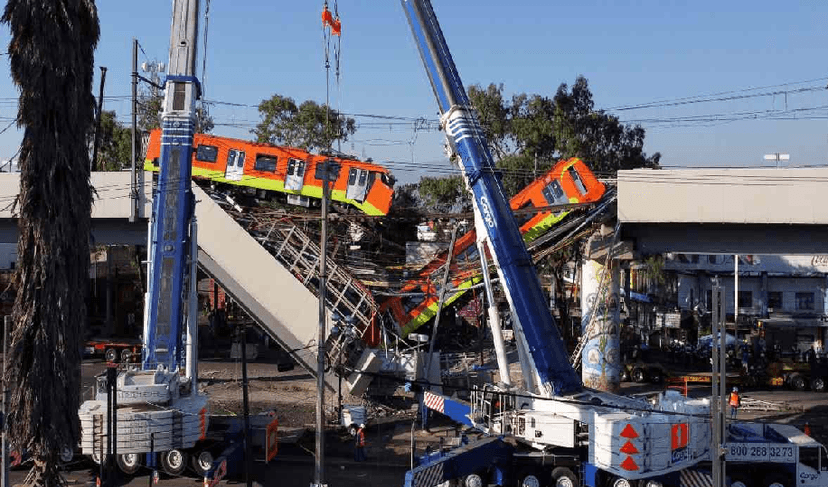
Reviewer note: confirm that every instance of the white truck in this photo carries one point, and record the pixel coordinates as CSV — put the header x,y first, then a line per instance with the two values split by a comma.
x,y
774,455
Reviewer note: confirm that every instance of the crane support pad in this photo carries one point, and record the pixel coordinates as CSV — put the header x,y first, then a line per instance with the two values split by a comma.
x,y
483,453
455,409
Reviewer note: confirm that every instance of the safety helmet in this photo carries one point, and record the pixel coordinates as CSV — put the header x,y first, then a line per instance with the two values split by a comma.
x,y
362,426
735,389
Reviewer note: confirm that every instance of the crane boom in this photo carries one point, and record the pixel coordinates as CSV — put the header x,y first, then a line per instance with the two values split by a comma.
x,y
173,206
534,324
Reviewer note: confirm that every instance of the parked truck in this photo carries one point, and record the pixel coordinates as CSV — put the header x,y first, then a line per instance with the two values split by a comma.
x,y
774,455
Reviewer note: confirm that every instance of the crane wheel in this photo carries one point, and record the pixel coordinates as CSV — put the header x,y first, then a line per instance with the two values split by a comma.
x,y
529,478
129,463
818,384
741,481
564,477
111,355
126,356
776,481
201,463
477,479
174,462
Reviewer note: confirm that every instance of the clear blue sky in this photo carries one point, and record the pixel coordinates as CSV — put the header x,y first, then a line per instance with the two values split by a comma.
x,y
632,52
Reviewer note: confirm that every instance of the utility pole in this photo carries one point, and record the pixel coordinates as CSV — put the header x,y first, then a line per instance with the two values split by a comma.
x,y
718,380
133,179
94,161
319,470
246,406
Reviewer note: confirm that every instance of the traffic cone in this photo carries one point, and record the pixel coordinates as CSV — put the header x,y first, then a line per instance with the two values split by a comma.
x,y
807,429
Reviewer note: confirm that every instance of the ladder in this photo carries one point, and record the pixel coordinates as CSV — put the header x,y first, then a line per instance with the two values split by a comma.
x,y
299,254
575,359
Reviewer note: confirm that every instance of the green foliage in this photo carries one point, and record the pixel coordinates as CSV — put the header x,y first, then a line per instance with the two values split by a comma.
x,y
309,126
654,269
444,193
114,145
529,129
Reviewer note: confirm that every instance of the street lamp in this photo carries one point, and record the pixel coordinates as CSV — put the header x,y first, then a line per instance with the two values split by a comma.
x,y
777,157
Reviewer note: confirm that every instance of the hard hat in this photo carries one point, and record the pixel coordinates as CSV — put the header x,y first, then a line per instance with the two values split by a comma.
x,y
362,425
735,389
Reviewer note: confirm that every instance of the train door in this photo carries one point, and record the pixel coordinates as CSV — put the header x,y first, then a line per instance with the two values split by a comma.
x,y
357,184
295,178
235,165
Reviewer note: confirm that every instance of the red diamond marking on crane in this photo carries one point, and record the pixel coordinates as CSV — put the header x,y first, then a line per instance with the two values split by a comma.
x,y
629,449
629,432
629,464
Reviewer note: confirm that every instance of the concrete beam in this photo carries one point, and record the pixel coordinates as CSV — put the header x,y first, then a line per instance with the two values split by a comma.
x,y
727,238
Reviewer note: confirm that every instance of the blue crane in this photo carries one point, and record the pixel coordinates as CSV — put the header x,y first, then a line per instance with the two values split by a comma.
x,y
534,322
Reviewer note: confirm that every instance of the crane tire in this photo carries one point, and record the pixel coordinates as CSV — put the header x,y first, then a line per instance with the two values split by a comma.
x,y
564,477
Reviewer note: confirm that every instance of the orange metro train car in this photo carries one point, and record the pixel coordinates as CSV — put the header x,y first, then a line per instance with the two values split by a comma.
x,y
291,171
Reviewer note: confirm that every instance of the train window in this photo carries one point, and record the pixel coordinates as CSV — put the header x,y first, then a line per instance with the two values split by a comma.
x,y
265,162
333,170
352,174
554,194
579,183
291,166
363,177
206,153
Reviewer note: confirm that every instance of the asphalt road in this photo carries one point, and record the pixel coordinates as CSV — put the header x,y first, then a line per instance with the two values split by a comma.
x,y
281,472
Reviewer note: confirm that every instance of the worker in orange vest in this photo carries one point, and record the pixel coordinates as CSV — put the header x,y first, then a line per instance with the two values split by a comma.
x,y
735,402
359,444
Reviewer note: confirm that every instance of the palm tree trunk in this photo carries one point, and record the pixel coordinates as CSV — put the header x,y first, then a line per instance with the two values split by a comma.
x,y
51,56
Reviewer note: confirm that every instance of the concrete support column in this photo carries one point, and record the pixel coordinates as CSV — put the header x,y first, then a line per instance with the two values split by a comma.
x,y
601,357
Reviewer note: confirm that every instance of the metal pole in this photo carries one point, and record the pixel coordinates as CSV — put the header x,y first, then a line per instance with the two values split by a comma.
x,y
494,317
246,405
5,443
98,122
319,465
714,393
723,391
440,302
735,293
133,190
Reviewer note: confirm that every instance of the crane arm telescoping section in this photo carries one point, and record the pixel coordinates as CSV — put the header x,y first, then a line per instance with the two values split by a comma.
x,y
517,273
173,204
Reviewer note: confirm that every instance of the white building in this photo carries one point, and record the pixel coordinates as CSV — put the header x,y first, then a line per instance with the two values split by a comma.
x,y
784,295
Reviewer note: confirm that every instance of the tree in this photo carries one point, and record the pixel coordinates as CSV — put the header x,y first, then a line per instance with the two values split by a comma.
x,y
444,194
51,57
529,133
115,147
309,126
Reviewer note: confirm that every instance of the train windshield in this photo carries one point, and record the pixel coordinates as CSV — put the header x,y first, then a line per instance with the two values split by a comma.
x,y
554,194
